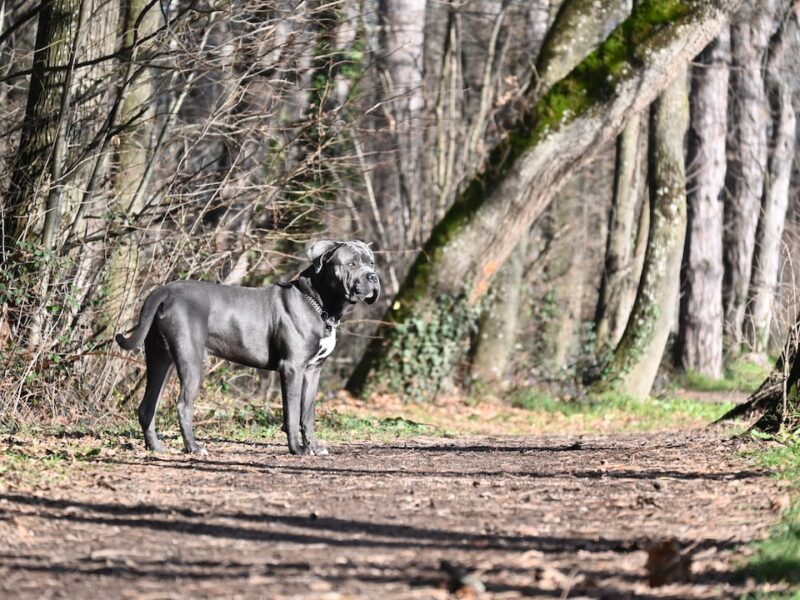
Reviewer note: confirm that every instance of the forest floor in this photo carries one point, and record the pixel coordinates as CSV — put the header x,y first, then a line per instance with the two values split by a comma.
x,y
420,513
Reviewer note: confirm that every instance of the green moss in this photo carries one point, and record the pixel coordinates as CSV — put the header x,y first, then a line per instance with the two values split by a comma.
x,y
597,76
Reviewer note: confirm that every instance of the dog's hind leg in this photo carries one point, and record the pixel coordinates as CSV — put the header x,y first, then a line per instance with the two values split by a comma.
x,y
159,367
189,364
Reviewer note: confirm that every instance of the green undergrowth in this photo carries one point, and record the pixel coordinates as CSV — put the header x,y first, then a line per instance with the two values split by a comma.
x,y
777,558
740,376
651,413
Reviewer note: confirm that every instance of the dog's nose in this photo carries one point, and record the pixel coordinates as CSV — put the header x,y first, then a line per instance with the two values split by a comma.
x,y
372,278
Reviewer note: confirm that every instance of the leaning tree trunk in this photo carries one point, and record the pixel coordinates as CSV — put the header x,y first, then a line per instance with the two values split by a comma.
x,y
560,52
619,273
579,26
637,357
747,159
700,320
554,136
766,262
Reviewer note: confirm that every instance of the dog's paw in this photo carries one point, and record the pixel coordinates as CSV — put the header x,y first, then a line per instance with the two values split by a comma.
x,y
157,446
319,450
197,451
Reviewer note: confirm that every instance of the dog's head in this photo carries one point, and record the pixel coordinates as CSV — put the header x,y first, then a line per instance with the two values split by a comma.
x,y
348,266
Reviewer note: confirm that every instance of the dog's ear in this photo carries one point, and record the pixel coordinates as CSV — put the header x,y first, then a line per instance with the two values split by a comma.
x,y
319,250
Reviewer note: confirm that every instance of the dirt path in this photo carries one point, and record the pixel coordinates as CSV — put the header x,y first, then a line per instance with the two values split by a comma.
x,y
535,516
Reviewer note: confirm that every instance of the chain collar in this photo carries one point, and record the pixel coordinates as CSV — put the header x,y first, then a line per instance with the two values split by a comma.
x,y
331,323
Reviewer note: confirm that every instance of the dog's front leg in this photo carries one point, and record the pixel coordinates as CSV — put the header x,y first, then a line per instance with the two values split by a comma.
x,y
292,391
308,416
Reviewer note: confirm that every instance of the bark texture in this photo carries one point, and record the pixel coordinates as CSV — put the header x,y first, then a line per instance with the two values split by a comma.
x,y
402,29
497,328
24,202
134,151
637,357
767,258
564,274
619,274
558,134
579,26
700,321
747,158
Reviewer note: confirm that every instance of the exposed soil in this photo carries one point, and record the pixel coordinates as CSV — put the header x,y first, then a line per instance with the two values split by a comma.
x,y
552,516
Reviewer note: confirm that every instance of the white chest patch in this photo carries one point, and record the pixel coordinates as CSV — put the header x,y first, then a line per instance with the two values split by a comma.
x,y
326,346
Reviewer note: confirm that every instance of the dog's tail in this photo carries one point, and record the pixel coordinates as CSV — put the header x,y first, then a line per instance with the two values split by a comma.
x,y
146,317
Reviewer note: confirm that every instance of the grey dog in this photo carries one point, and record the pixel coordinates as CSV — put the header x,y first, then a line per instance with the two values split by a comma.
x,y
289,327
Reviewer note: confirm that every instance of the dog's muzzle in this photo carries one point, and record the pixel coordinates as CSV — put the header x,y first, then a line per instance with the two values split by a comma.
x,y
367,287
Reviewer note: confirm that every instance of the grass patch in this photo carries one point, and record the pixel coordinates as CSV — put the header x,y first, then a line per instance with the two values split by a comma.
x,y
740,376
247,422
647,414
777,558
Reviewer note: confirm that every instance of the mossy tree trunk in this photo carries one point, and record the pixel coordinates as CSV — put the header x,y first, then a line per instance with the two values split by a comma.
x,y
551,138
578,28
619,273
699,346
767,258
747,159
637,357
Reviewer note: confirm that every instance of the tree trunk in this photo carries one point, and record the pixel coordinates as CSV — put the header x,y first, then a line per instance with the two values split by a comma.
x,y
564,274
579,26
700,321
638,355
767,259
497,327
558,134
134,150
560,52
402,26
619,275
43,131
747,159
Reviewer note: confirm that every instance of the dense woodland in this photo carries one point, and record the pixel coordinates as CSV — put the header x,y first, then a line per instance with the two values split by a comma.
x,y
577,196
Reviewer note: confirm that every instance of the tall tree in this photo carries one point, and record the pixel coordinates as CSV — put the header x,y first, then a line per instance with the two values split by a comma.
x,y
498,323
620,274
637,357
700,322
400,116
556,135
767,256
43,146
747,158
133,153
